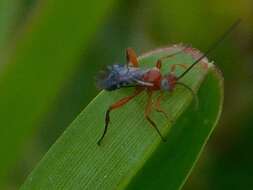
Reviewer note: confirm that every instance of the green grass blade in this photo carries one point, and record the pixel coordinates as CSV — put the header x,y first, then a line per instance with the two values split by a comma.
x,y
46,54
132,155
8,17
171,163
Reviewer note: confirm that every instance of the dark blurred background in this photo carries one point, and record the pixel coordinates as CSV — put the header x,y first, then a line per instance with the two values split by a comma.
x,y
226,162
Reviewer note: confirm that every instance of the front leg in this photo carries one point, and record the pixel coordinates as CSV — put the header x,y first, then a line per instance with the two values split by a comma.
x,y
158,108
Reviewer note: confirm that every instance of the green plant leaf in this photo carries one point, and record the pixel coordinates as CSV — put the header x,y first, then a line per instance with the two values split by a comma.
x,y
132,155
8,17
46,54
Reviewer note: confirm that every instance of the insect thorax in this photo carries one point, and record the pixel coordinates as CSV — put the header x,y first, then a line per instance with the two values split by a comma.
x,y
118,75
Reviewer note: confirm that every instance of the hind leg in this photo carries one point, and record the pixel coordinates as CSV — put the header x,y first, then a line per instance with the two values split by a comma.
x,y
114,106
131,57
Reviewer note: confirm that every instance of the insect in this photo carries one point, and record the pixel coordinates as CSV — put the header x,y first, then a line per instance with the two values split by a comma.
x,y
131,75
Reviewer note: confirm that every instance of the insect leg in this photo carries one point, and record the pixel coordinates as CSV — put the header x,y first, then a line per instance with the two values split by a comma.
x,y
173,67
192,92
131,57
159,61
159,64
147,113
116,105
158,107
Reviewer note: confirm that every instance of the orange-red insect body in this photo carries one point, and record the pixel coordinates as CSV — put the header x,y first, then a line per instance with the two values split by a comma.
x,y
149,80
159,82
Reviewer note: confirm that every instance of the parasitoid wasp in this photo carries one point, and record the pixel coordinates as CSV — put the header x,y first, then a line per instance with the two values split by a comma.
x,y
119,76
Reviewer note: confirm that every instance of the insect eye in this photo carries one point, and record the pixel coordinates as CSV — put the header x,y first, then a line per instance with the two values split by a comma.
x,y
165,84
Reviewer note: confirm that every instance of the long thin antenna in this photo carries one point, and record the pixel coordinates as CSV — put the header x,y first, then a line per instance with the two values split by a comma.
x,y
212,47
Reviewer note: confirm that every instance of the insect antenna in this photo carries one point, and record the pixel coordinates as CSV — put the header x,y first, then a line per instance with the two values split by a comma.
x,y
212,47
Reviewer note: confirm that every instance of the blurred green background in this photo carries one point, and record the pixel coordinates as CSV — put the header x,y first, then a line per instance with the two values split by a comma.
x,y
51,51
